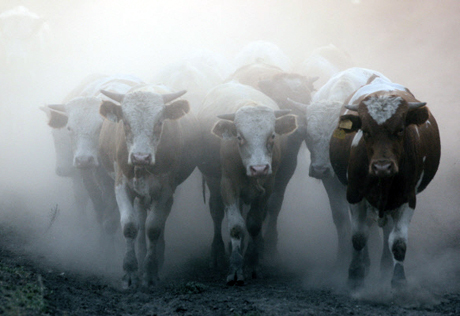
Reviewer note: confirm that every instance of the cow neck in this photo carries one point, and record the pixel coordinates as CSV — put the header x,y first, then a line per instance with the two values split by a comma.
x,y
383,190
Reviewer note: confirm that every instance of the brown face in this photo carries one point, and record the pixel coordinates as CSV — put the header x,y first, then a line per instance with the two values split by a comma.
x,y
384,142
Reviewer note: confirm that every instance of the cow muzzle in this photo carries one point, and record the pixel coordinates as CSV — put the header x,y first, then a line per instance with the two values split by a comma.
x,y
138,159
320,172
383,168
85,162
259,170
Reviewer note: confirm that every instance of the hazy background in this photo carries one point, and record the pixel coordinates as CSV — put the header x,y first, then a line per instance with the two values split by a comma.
x,y
413,42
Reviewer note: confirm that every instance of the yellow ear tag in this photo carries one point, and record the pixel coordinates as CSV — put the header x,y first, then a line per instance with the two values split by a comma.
x,y
339,133
345,124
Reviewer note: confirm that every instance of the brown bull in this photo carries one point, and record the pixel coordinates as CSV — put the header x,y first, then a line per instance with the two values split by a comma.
x,y
386,150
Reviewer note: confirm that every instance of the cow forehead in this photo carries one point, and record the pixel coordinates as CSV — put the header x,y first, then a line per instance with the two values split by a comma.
x,y
255,120
83,111
142,104
382,107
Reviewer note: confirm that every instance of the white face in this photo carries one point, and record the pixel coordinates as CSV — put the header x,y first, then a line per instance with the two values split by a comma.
x,y
322,118
142,119
256,134
84,125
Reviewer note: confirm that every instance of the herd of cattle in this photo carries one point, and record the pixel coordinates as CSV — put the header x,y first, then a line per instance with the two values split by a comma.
x,y
128,145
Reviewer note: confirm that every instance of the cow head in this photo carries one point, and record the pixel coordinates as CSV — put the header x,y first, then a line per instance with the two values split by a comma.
x,y
381,122
82,122
143,114
255,128
62,147
322,115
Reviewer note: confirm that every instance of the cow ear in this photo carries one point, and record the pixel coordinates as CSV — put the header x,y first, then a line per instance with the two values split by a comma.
x,y
111,111
417,116
57,119
176,110
286,124
349,123
224,129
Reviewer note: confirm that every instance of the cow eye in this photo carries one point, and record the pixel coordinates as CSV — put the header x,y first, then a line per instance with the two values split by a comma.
x,y
400,132
69,129
240,139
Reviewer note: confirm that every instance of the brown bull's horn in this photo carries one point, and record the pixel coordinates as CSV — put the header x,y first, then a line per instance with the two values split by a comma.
x,y
228,117
279,113
114,96
416,105
352,107
171,96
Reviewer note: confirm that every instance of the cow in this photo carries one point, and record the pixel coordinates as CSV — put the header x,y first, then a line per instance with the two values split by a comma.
x,y
63,147
264,52
386,150
149,144
79,123
243,136
282,87
23,34
324,62
193,75
322,116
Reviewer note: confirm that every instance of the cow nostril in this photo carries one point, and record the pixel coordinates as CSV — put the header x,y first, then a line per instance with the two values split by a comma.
x,y
382,168
259,170
141,159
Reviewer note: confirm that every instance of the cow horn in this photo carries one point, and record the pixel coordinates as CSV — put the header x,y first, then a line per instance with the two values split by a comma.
x,y
313,79
416,105
352,107
56,107
114,96
171,96
299,105
279,113
228,117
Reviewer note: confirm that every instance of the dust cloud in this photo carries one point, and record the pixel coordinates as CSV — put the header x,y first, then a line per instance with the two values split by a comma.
x,y
414,43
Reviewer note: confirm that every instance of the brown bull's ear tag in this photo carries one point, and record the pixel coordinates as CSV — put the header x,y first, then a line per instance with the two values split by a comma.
x,y
339,133
346,124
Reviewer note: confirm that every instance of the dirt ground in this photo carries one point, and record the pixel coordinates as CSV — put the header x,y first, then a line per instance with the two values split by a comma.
x,y
30,287
50,258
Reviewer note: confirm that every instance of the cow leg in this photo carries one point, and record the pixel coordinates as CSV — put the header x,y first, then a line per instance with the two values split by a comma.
x,y
155,226
386,262
236,228
397,243
336,193
80,194
140,209
360,256
129,226
216,207
255,248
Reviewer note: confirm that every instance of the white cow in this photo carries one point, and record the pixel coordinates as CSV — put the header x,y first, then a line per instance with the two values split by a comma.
x,y
22,34
149,143
322,118
82,122
263,52
244,135
324,62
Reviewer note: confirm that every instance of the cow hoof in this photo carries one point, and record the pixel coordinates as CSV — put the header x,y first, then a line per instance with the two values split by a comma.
x,y
398,284
129,281
236,278
355,284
